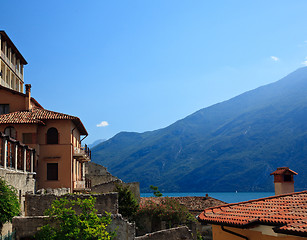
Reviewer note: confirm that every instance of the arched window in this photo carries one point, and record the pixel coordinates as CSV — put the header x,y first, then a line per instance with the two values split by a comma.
x,y
52,136
10,131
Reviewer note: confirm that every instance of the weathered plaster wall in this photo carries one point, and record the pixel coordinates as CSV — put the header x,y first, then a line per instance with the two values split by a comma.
x,y
179,233
36,204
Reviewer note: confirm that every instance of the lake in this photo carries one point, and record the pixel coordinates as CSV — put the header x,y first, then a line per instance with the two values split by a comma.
x,y
229,197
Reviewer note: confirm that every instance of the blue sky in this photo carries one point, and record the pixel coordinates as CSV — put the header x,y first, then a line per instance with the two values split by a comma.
x,y
142,65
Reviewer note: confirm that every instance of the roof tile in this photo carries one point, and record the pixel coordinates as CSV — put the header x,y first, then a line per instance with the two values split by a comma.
x,y
288,212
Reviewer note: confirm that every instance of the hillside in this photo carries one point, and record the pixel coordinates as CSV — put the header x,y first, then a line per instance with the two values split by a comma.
x,y
229,146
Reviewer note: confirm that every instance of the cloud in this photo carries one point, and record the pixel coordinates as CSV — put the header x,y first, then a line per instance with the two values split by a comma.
x,y
103,124
305,62
274,58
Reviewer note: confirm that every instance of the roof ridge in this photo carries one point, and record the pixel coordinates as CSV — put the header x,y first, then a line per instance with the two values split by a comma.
x,y
257,200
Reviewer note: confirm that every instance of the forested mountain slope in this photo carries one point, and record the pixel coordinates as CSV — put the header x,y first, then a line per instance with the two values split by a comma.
x,y
233,145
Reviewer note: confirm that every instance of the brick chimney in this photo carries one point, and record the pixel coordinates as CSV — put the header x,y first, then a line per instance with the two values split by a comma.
x,y
283,180
28,97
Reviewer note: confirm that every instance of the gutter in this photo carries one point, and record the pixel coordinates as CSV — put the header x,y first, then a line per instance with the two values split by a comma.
x,y
234,233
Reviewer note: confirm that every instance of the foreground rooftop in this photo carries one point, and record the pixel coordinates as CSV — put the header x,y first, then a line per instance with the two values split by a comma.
x,y
287,212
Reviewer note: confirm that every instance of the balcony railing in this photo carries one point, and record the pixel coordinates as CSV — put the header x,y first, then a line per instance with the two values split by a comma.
x,y
3,83
11,65
82,185
16,156
82,153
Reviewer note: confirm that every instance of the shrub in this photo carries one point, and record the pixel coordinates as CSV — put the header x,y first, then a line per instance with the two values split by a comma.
x,y
168,209
127,203
65,223
9,203
156,192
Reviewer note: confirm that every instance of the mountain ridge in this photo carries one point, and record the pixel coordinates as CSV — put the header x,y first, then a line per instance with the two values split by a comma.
x,y
235,139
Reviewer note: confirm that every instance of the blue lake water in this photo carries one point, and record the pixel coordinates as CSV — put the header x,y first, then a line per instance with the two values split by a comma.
x,y
229,197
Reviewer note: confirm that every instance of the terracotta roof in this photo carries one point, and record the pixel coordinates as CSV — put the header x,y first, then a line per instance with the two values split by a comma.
x,y
38,116
288,212
193,204
283,170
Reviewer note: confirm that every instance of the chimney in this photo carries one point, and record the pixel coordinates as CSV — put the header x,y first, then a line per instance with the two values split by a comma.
x,y
283,180
28,97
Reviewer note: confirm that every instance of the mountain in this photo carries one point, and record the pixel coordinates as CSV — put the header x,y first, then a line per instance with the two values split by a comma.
x,y
233,145
95,143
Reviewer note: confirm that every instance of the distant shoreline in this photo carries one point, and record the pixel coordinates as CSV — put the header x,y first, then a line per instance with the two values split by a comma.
x,y
229,197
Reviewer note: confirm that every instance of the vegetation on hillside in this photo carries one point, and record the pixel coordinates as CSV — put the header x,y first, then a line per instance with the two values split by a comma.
x,y
233,145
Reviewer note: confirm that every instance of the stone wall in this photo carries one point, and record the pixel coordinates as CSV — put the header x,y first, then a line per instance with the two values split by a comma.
x,y
98,174
110,187
105,187
26,227
179,233
36,204
23,182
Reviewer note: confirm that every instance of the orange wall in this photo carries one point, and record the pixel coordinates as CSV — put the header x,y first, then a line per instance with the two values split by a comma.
x,y
61,153
15,100
219,234
55,153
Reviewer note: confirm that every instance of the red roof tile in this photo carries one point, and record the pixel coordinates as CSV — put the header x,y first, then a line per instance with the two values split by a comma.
x,y
288,212
38,116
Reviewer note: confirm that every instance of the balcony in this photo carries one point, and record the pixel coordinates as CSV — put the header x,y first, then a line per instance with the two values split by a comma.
x,y
3,83
82,154
11,66
84,185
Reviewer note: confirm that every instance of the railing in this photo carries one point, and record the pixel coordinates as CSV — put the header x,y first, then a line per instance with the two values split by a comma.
x,y
85,151
3,82
88,183
15,155
11,65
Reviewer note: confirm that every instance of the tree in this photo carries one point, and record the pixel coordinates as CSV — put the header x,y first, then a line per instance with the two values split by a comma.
x,y
157,193
127,203
65,223
9,203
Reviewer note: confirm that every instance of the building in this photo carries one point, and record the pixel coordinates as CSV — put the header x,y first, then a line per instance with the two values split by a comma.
x,y
281,216
56,137
12,64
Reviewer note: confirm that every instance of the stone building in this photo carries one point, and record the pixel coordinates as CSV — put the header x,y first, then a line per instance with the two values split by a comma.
x,y
59,158
11,64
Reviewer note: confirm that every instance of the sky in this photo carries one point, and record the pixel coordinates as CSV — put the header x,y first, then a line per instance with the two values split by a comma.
x,y
141,65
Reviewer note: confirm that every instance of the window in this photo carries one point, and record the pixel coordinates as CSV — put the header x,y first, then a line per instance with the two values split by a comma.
x,y
52,136
10,131
27,138
52,171
4,108
288,178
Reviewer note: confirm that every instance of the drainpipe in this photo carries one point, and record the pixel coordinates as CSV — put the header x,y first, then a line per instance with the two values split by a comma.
x,y
234,233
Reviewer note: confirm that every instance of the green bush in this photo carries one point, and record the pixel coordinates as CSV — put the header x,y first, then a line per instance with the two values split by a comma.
x,y
65,223
127,203
156,192
168,209
9,203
